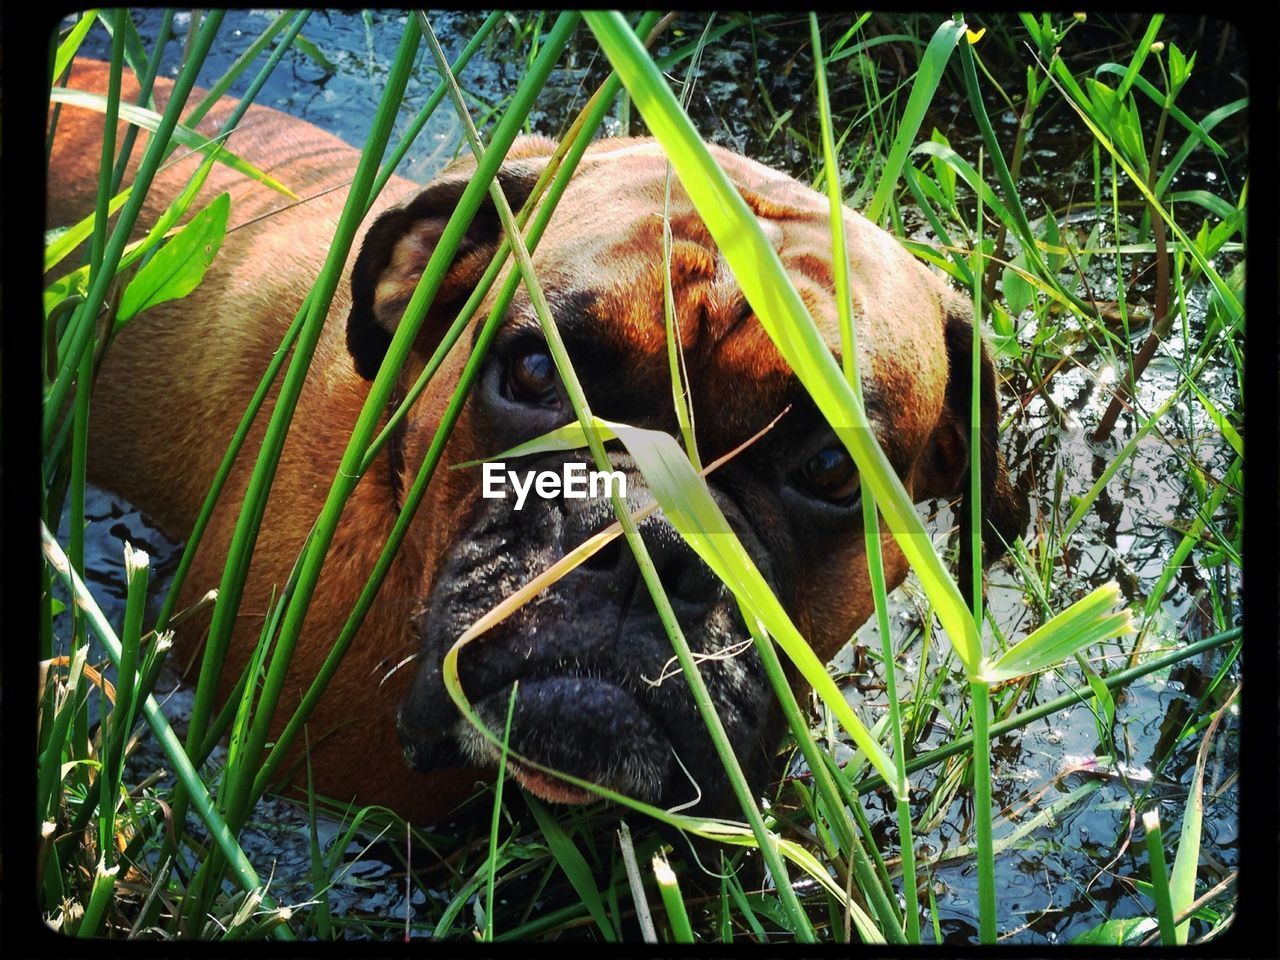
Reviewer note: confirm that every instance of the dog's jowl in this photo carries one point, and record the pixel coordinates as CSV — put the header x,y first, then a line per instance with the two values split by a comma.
x,y
597,695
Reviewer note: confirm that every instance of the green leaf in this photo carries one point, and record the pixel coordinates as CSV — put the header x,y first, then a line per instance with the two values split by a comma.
x,y
932,65
180,265
568,437
1106,105
1103,695
1179,68
1017,291
312,51
68,47
572,863
1087,621
1116,933
1182,879
1216,205
946,175
1053,237
150,120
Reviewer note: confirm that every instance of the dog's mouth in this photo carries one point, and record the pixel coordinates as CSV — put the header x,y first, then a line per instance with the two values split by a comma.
x,y
583,726
596,696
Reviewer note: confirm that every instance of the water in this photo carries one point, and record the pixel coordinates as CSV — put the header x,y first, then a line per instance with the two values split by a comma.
x,y
1059,879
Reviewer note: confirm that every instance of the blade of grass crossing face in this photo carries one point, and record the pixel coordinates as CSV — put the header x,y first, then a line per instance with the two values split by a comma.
x,y
870,516
681,398
689,506
416,309
784,317
244,537
648,573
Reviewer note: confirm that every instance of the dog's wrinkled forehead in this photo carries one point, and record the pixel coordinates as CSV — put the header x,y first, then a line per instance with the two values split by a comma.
x,y
611,238
605,244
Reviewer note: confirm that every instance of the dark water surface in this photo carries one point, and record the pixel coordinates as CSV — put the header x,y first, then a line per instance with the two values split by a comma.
x,y
1065,874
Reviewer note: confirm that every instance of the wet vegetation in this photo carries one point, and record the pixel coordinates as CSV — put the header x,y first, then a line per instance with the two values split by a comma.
x,y
1071,751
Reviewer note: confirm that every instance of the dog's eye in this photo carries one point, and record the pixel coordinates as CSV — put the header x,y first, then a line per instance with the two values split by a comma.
x,y
830,475
531,377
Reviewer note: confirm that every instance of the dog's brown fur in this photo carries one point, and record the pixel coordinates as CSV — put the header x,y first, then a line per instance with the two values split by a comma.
x,y
174,384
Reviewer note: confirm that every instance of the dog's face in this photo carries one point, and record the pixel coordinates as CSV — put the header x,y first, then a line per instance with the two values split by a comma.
x,y
600,695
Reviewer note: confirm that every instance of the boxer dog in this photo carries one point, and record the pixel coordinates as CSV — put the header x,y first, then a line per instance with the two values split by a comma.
x,y
589,654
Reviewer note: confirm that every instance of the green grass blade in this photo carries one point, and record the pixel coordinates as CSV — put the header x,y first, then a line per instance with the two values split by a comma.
x,y
187,137
68,47
218,830
232,73
1087,621
932,65
180,265
1082,694
573,864
1140,54
1182,881
1159,878
669,887
497,816
784,317
73,236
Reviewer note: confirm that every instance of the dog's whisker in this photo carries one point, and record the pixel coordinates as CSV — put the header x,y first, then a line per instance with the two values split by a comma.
x,y
696,786
387,676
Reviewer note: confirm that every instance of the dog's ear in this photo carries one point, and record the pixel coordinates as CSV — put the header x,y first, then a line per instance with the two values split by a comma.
x,y
945,472
399,244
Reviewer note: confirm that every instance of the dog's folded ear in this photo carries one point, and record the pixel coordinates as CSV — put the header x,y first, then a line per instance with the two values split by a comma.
x,y
1006,510
400,242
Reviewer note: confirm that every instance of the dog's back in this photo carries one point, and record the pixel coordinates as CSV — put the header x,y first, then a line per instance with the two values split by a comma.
x,y
188,367
173,386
